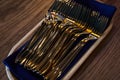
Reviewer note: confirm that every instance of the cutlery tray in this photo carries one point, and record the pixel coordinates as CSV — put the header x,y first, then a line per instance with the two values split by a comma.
x,y
22,73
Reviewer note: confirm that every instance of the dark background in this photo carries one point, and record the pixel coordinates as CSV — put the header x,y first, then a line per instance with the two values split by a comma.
x,y
17,17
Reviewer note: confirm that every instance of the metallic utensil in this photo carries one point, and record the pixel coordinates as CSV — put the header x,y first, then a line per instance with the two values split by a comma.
x,y
30,44
50,35
58,69
54,49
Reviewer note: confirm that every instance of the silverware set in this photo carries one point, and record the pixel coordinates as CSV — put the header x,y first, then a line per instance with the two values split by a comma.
x,y
50,50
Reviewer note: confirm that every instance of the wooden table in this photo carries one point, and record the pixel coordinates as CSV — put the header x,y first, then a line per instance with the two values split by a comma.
x,y
17,17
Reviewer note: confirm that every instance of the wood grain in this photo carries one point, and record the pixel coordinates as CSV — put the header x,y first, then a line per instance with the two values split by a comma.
x,y
17,17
